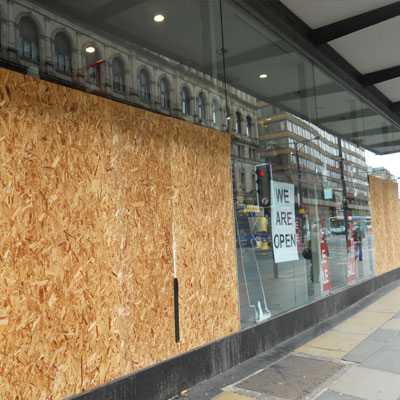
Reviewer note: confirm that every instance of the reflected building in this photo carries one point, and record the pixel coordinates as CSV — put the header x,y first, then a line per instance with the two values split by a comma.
x,y
383,173
300,151
39,43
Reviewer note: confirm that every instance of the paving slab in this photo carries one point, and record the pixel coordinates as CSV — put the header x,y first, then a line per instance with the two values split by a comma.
x,y
365,322
393,343
333,344
316,351
364,350
383,335
393,324
331,395
231,396
388,303
369,384
384,360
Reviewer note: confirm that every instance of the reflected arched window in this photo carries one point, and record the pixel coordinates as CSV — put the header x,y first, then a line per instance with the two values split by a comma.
x,y
248,126
63,52
185,100
28,39
144,86
164,93
215,111
118,75
238,122
228,119
201,105
93,67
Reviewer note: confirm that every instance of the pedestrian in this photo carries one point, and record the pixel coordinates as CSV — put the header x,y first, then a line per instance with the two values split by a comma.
x,y
359,235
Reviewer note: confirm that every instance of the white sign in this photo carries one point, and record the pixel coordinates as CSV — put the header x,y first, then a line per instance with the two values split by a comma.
x,y
284,238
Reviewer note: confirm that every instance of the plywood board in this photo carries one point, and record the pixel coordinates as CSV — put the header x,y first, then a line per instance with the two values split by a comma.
x,y
385,223
89,192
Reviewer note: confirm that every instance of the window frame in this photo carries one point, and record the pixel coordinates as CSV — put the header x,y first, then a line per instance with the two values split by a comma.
x,y
185,100
164,93
215,111
144,86
201,107
65,54
238,122
118,79
93,68
248,126
29,27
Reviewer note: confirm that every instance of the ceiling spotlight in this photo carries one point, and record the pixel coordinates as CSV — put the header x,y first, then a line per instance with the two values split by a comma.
x,y
90,49
221,51
159,18
263,76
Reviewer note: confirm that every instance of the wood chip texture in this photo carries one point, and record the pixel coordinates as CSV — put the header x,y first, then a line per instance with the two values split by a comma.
x,y
385,217
90,189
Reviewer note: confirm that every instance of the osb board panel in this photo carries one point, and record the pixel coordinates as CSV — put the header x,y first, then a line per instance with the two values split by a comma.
x,y
89,192
385,223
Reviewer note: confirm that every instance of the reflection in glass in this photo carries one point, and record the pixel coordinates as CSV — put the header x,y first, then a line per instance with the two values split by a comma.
x,y
215,113
248,126
28,39
238,122
144,85
164,93
201,107
118,75
93,67
289,121
63,52
185,98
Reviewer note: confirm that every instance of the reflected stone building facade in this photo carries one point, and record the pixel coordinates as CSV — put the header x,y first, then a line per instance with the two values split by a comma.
x,y
292,144
37,42
41,44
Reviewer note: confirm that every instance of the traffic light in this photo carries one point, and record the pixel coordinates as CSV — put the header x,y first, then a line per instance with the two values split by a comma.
x,y
260,186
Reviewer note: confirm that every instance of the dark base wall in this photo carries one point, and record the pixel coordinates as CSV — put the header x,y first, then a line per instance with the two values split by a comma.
x,y
166,379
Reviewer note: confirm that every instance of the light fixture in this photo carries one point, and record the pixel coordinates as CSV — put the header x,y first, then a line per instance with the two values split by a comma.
x,y
263,76
158,18
90,49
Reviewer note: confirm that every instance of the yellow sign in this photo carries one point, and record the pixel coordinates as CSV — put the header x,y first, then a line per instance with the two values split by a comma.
x,y
250,208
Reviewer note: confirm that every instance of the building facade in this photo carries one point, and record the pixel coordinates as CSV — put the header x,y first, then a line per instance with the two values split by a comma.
x,y
141,190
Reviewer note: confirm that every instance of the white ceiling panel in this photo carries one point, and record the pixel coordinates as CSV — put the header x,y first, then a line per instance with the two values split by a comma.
x,y
317,13
371,49
391,89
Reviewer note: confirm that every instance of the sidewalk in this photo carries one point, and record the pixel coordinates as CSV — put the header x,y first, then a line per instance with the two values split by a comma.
x,y
351,356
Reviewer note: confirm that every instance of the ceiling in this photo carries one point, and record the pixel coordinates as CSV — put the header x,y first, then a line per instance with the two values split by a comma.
x,y
335,63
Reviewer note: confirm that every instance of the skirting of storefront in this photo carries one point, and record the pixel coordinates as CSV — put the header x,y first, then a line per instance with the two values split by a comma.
x,y
166,379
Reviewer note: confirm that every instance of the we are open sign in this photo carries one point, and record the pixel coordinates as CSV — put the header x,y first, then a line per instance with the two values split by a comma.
x,y
284,237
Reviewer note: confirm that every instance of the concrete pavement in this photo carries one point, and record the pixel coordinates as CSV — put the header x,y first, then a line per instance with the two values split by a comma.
x,y
351,356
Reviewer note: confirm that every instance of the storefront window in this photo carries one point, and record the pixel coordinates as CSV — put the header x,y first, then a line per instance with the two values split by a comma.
x,y
300,190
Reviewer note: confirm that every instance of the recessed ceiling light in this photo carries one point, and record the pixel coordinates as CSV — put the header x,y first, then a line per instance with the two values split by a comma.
x,y
221,51
90,49
159,18
263,76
